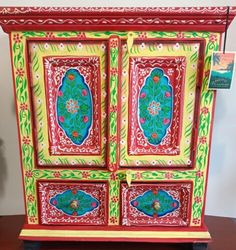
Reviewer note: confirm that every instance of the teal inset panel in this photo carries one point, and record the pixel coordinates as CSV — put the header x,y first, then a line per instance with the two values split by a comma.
x,y
74,106
74,202
155,203
155,106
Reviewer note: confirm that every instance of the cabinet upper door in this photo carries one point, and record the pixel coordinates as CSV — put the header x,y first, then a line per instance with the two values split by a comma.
x,y
159,99
67,80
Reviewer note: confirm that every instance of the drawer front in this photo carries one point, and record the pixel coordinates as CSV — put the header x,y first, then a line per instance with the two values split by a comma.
x,y
72,203
159,204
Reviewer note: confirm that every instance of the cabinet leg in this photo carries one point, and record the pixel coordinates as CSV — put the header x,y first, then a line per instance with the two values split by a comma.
x,y
31,245
199,246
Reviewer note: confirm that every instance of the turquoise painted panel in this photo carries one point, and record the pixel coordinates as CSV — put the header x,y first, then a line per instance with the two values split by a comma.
x,y
155,203
155,106
74,202
74,106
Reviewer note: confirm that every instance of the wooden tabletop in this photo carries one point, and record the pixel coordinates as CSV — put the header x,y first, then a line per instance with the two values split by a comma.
x,y
222,230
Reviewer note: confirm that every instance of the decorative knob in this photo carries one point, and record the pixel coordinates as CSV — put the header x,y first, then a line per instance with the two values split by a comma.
x,y
156,205
74,204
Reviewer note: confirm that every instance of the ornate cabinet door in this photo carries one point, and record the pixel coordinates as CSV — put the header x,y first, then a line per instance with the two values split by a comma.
x,y
69,110
162,78
114,119
164,128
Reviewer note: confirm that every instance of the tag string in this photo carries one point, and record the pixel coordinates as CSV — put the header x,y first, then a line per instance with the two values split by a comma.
x,y
226,28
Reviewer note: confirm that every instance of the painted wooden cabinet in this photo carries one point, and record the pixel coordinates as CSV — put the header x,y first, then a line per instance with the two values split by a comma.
x,y
114,119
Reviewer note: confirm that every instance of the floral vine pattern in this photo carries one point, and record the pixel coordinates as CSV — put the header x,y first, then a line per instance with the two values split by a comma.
x,y
113,100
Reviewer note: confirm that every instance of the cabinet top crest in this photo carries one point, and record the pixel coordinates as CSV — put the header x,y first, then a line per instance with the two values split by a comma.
x,y
105,18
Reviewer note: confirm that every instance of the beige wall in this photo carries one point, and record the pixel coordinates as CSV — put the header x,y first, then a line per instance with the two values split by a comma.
x,y
222,184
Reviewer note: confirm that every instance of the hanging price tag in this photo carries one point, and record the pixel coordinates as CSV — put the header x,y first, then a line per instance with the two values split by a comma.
x,y
222,70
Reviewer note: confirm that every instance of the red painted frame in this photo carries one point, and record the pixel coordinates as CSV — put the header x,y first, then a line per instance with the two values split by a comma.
x,y
94,18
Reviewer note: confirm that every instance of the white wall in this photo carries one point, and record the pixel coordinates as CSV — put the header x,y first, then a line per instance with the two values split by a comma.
x,y
221,197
